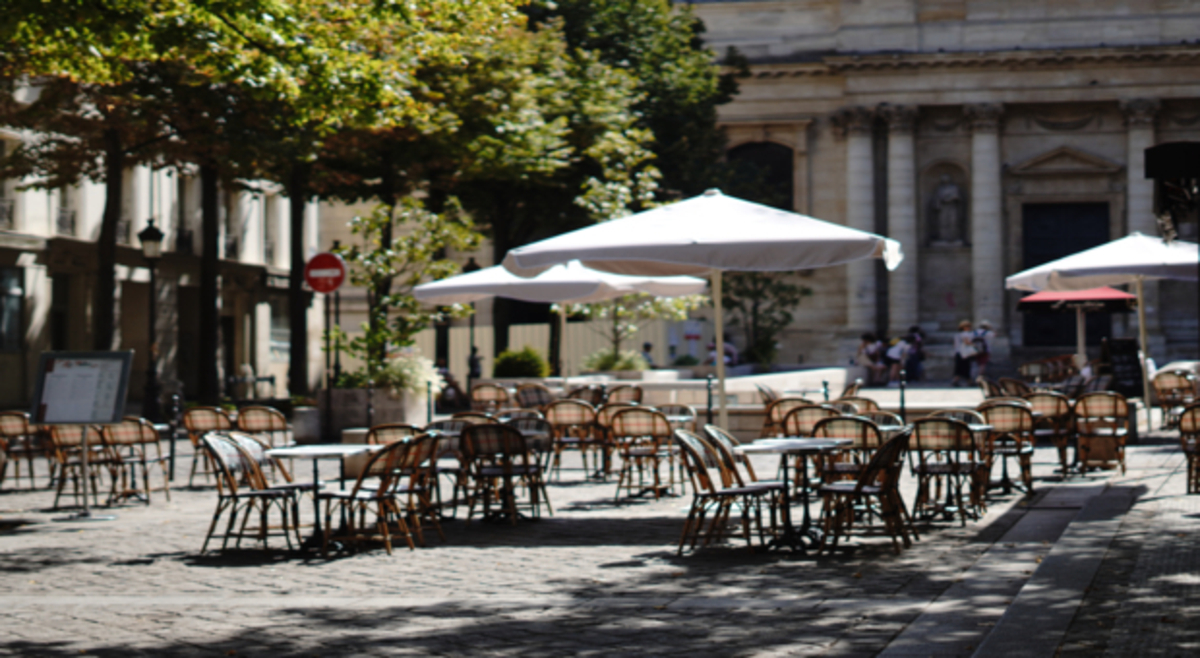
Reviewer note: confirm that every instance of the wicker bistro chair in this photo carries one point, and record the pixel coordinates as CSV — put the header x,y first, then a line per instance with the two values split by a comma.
x,y
1053,422
864,405
990,388
475,417
800,421
1011,436
66,441
1101,425
1014,387
136,443
630,393
879,480
944,454
255,450
592,394
1189,441
766,394
882,418
982,480
534,396
393,489
500,460
22,440
726,443
539,438
451,463
1175,389
715,492
643,439
505,415
845,407
265,422
574,423
199,421
848,464
852,389
488,397
775,413
242,491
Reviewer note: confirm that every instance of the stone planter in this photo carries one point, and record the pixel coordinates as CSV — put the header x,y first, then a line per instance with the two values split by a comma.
x,y
348,408
306,425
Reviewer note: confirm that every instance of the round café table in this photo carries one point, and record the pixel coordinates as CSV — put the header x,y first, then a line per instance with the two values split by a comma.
x,y
805,536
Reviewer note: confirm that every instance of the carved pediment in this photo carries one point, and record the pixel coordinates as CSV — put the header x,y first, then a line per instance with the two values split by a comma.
x,y
1066,161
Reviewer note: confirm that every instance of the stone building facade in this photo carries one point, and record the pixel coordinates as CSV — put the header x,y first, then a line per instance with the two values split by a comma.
x,y
986,135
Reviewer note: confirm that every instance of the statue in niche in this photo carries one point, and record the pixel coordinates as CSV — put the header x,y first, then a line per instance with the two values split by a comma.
x,y
946,213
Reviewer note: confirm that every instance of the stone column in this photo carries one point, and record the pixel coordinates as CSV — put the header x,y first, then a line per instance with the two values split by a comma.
x,y
987,236
1139,200
903,297
860,214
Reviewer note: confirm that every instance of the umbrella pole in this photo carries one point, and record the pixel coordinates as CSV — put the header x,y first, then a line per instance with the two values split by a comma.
x,y
719,326
1139,285
1080,338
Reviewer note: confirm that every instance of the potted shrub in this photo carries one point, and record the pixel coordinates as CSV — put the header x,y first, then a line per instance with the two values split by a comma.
x,y
625,364
525,363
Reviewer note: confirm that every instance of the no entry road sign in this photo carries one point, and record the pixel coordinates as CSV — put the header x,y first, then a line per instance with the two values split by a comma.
x,y
325,272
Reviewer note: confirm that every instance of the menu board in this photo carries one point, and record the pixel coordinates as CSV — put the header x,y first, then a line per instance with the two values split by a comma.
x,y
77,388
1126,367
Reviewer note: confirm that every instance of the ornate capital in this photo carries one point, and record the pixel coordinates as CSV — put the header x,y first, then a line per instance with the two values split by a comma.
x,y
900,118
1140,111
984,117
856,120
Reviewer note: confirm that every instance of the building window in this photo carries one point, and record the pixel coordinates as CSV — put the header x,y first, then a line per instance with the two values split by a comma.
x,y
281,330
767,173
11,294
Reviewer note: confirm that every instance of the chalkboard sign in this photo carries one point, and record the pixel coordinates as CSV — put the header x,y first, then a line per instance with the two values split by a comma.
x,y
1126,367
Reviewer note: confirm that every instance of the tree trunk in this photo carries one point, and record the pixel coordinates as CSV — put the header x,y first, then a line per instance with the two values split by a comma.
x,y
297,299
103,294
210,217
377,313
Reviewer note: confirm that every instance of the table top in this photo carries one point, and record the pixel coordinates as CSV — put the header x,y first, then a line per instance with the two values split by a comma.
x,y
324,450
793,445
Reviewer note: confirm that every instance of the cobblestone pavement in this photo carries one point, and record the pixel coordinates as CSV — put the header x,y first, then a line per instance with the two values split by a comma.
x,y
594,579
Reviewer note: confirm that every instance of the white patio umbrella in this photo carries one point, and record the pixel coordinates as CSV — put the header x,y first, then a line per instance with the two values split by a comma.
x,y
567,283
709,233
1134,259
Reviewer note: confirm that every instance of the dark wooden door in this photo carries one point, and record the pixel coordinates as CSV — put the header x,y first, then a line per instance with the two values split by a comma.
x,y
1052,231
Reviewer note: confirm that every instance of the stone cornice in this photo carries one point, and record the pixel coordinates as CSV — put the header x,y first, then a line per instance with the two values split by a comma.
x,y
841,64
900,118
854,120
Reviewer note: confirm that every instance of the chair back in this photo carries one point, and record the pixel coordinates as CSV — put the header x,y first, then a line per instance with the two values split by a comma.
x,y
256,419
962,415
865,434
630,393
230,463
488,397
844,406
494,443
1098,405
533,396
199,420
1050,404
592,394
766,394
637,423
881,418
777,410
538,432
391,433
864,404
1008,417
883,469
1174,387
852,389
570,415
474,417
941,434
131,431
990,388
726,443
699,461
255,451
70,437
14,424
386,465
1014,387
800,421
505,415
1189,428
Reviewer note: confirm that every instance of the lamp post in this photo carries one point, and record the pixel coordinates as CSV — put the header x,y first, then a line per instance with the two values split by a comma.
x,y
473,358
151,239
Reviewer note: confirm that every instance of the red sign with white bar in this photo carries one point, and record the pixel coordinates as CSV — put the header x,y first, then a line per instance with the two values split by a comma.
x,y
325,272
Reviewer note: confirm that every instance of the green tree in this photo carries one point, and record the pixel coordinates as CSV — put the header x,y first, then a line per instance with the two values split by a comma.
x,y
389,272
761,304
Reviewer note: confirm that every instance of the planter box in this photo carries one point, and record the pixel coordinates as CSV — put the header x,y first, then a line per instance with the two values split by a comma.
x,y
348,408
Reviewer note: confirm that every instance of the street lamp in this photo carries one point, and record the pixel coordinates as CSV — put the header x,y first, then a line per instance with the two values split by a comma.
x,y
473,368
151,239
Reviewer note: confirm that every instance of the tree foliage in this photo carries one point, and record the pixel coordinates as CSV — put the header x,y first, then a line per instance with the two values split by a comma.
x,y
761,303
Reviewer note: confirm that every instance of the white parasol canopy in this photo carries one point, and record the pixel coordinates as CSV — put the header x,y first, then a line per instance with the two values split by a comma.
x,y
707,234
1131,259
571,282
